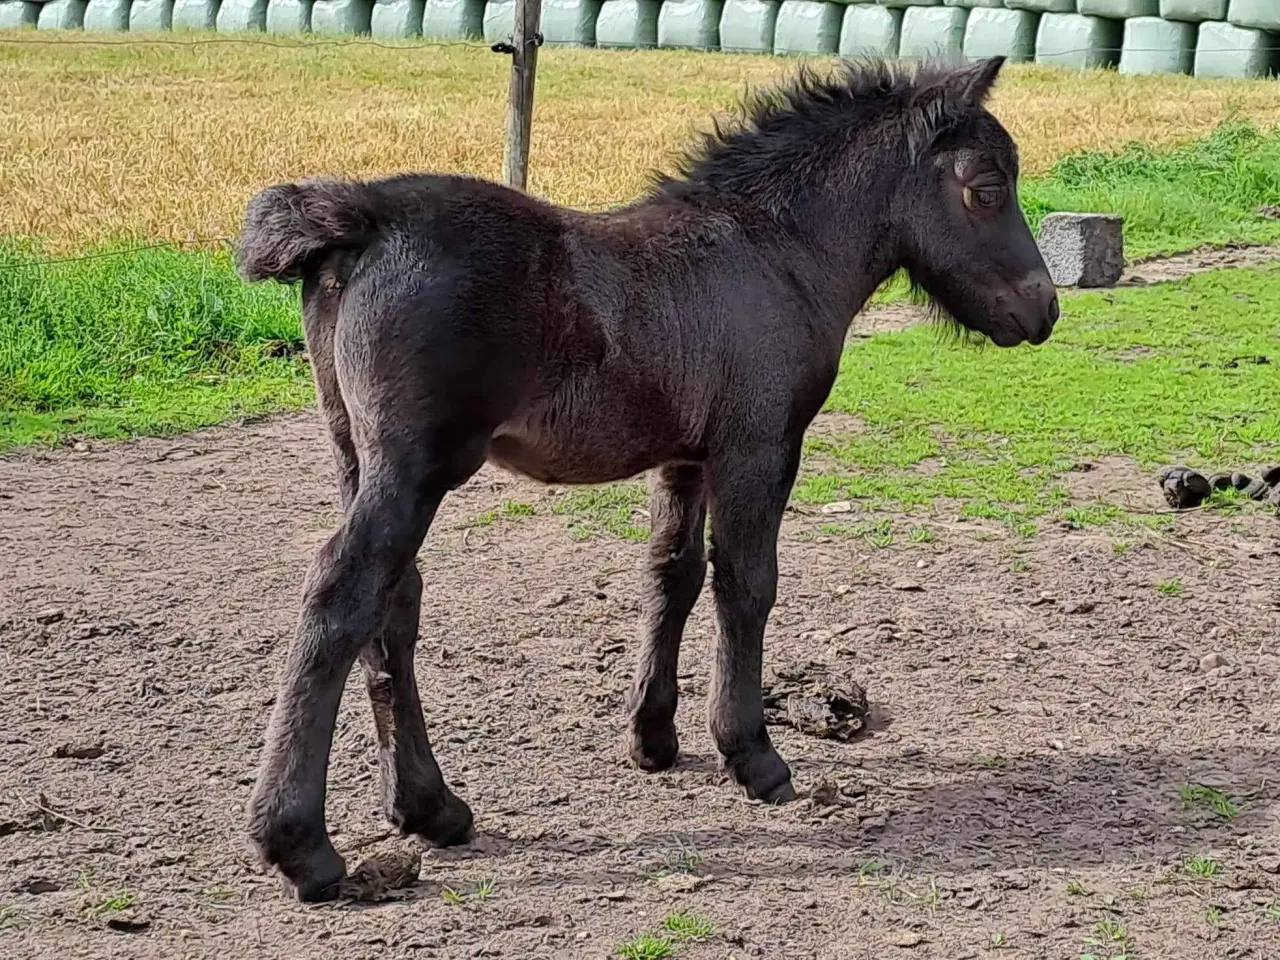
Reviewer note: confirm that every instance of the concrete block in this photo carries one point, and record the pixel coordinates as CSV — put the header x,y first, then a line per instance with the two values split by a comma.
x,y
1083,249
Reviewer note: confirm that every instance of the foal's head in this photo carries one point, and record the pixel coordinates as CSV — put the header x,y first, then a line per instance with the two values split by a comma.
x,y
961,234
906,161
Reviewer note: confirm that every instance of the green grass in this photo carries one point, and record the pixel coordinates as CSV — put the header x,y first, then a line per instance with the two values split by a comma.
x,y
678,929
1194,795
1142,373
160,341
163,341
1207,192
1202,868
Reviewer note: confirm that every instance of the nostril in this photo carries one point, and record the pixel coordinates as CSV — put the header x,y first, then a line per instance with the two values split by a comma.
x,y
1053,310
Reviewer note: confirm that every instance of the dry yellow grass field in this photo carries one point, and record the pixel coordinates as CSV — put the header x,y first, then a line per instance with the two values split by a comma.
x,y
166,137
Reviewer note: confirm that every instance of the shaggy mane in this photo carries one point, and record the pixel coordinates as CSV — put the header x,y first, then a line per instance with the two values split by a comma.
x,y
804,119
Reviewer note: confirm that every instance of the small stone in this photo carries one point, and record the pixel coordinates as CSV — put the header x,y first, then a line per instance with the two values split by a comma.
x,y
80,447
1057,745
1080,606
1083,249
128,922
1270,865
679,883
48,616
1212,661
909,752
82,751
843,590
37,886
840,506
907,586
907,940
553,599
1035,643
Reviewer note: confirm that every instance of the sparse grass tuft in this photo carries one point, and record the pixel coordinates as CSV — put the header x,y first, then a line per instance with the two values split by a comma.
x,y
1202,868
1076,888
646,946
678,929
1194,795
1169,588
688,927
114,903
608,509
1213,916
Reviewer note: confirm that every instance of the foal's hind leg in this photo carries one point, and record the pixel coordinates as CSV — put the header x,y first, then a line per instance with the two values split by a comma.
x,y
748,496
673,579
414,795
352,583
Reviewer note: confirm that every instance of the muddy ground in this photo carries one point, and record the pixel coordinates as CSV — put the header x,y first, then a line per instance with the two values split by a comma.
x,y
1017,794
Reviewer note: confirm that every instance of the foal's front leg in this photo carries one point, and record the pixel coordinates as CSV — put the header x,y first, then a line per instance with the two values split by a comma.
x,y
748,496
672,580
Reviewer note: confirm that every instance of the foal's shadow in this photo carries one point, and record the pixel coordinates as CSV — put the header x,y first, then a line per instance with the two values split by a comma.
x,y
1040,812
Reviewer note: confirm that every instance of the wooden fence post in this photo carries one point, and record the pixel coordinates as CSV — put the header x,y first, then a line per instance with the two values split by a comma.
x,y
524,64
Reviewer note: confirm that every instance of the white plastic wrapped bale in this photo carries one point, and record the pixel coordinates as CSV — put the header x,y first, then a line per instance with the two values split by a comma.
x,y
499,21
1225,50
1118,9
341,17
288,16
807,27
1042,6
975,4
195,14
570,23
747,26
107,16
1193,10
904,4
1078,42
18,13
1259,14
150,16
692,24
453,19
869,30
396,19
1001,33
1152,45
62,15
932,31
628,23
242,16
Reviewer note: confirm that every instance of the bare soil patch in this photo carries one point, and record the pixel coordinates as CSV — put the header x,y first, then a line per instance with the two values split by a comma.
x,y
1015,792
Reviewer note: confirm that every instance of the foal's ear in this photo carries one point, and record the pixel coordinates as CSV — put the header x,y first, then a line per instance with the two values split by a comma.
x,y
974,83
967,86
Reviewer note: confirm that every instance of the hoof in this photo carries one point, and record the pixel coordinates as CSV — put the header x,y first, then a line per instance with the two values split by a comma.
x,y
654,750
764,776
782,793
313,876
450,824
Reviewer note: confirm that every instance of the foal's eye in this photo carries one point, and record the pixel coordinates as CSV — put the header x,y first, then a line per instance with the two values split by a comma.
x,y
988,197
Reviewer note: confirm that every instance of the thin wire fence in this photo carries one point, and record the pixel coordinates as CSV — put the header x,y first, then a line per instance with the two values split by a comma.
x,y
306,42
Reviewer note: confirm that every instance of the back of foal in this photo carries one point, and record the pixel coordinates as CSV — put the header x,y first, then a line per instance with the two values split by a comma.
x,y
694,334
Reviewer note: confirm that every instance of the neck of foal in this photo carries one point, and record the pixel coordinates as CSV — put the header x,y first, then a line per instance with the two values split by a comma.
x,y
844,221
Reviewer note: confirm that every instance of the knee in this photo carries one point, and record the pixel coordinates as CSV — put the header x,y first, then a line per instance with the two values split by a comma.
x,y
753,589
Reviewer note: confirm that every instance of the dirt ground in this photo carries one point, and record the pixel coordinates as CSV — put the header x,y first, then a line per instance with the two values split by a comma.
x,y
1017,793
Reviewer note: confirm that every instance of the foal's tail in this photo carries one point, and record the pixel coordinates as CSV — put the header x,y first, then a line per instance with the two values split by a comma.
x,y
289,225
